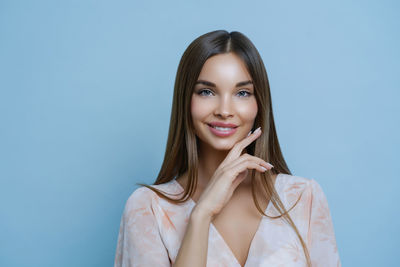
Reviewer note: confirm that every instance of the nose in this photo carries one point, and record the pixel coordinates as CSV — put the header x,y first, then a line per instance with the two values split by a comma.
x,y
224,108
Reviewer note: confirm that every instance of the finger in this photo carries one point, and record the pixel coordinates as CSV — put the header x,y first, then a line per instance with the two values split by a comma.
x,y
237,149
248,157
235,170
239,179
239,146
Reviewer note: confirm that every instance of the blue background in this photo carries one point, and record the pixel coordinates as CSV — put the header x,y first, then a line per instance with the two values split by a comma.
x,y
86,93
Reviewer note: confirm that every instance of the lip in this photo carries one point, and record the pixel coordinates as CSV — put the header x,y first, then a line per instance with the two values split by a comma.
x,y
222,133
221,124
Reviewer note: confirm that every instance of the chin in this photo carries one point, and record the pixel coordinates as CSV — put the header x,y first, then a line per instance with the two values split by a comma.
x,y
223,148
222,144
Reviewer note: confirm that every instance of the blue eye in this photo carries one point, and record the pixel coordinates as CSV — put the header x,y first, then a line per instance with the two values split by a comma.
x,y
204,92
244,94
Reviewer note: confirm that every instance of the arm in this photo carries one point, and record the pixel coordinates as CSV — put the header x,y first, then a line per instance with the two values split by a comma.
x,y
321,236
226,178
193,250
139,240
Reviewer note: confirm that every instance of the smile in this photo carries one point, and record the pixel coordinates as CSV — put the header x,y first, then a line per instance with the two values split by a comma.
x,y
222,131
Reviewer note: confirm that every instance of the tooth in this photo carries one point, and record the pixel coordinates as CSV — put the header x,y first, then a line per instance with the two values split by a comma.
x,y
222,128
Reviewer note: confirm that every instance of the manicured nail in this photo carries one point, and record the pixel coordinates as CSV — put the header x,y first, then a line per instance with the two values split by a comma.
x,y
257,130
264,169
269,164
248,134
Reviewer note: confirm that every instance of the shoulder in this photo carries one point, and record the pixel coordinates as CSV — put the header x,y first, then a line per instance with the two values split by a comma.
x,y
289,182
293,186
144,197
295,180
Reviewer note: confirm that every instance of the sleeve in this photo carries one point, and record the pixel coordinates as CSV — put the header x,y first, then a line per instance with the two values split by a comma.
x,y
139,240
321,236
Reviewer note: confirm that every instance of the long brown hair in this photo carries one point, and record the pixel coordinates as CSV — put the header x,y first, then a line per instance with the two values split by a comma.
x,y
181,150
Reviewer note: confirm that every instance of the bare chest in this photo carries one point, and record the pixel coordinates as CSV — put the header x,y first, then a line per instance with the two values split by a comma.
x,y
238,223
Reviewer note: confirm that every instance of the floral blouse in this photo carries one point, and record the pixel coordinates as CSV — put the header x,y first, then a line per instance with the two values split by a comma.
x,y
152,229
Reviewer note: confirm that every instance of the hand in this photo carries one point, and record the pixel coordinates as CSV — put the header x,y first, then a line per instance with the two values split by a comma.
x,y
229,174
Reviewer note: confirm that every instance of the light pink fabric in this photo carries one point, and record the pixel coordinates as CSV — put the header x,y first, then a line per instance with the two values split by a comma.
x,y
152,229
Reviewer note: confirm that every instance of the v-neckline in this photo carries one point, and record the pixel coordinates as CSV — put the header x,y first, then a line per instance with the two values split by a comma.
x,y
193,203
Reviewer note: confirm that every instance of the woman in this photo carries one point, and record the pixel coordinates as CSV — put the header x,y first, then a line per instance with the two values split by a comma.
x,y
224,195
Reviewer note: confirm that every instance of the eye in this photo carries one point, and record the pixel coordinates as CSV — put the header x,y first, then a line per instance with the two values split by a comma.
x,y
205,92
244,94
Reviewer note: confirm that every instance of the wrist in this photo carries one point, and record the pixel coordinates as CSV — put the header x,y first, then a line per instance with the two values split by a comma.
x,y
199,215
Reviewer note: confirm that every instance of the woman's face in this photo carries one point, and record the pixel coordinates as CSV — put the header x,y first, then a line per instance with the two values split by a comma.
x,y
223,104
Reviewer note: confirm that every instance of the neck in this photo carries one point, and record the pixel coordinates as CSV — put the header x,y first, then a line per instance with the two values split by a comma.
x,y
209,160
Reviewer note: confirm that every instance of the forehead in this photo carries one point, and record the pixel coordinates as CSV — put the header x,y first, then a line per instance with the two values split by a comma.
x,y
224,69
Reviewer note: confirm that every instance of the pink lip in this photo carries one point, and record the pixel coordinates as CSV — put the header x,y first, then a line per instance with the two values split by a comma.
x,y
221,124
222,133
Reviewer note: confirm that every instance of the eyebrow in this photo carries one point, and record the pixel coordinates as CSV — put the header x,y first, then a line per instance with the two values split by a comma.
x,y
207,83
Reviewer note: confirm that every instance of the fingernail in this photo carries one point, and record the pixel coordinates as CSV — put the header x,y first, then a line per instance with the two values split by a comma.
x,y
264,169
269,164
248,134
257,130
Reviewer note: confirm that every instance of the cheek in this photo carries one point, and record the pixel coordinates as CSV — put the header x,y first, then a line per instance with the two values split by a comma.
x,y
248,111
194,109
199,109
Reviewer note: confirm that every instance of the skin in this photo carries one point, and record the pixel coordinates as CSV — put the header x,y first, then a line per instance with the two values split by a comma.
x,y
224,103
223,196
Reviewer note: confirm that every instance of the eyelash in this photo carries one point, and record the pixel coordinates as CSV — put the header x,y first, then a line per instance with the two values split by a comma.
x,y
200,92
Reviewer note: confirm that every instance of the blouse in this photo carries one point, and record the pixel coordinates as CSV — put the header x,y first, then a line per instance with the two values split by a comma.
x,y
152,229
